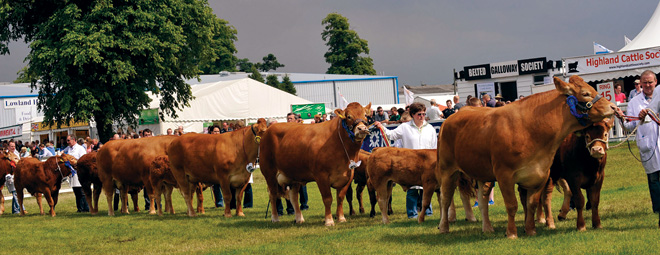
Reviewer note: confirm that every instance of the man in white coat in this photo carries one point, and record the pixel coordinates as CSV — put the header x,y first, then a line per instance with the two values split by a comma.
x,y
76,150
415,134
647,133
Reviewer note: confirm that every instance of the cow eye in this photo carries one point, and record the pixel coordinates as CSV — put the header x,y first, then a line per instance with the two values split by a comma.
x,y
585,94
588,137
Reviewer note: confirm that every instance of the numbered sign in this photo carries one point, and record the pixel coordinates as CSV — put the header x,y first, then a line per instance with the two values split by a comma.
x,y
606,90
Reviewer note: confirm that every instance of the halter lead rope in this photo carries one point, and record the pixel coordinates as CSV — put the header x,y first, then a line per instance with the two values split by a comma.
x,y
352,164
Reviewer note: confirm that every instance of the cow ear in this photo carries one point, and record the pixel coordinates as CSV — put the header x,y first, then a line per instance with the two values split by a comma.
x,y
563,87
340,113
367,110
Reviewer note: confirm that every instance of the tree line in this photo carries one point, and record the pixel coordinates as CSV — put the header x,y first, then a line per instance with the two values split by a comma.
x,y
96,60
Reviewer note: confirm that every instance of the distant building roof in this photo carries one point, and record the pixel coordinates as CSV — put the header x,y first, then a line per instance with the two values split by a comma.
x,y
295,77
431,89
11,90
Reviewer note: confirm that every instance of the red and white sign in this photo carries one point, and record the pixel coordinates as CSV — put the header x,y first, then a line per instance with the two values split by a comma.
x,y
612,62
606,90
11,132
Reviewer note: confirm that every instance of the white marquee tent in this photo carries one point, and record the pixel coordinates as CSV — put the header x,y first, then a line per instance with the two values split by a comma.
x,y
637,56
242,99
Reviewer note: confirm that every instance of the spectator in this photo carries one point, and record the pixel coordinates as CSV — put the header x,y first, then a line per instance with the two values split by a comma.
x,y
415,134
449,110
169,131
25,153
317,118
302,192
44,153
499,98
473,101
457,103
9,182
217,192
76,150
394,115
636,91
434,112
381,115
619,96
489,102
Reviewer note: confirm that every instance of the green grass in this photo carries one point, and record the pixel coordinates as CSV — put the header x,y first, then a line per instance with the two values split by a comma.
x,y
629,227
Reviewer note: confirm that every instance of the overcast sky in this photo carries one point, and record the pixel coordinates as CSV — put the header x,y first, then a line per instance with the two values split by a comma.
x,y
420,41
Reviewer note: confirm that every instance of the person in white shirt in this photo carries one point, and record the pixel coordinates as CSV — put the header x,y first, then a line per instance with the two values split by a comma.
x,y
647,134
76,150
12,148
44,153
434,112
415,134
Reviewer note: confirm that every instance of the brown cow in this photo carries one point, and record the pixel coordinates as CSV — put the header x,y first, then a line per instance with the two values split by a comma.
x,y
88,174
360,179
513,144
580,161
408,168
8,162
294,154
216,159
42,178
163,183
126,163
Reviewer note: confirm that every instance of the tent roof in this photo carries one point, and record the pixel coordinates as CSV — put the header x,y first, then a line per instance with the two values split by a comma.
x,y
649,36
235,99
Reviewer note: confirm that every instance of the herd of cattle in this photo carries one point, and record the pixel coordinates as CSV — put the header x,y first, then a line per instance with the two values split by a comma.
x,y
534,142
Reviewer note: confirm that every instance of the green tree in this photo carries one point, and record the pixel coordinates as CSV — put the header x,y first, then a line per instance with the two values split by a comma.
x,y
23,76
272,81
223,45
97,59
287,85
244,65
270,63
345,48
256,75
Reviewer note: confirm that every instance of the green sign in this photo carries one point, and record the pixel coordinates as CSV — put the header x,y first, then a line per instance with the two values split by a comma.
x,y
148,117
307,111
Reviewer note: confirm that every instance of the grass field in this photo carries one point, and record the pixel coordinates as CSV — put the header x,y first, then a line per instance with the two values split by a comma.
x,y
629,227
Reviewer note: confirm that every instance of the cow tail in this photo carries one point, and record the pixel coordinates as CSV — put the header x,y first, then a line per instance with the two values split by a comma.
x,y
465,185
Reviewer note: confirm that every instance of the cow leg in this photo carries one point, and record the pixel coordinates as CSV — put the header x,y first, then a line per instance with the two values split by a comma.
x,y
292,195
533,198
507,187
341,194
383,193
239,200
19,197
566,205
200,198
168,199
359,188
326,196
51,203
95,198
426,200
482,198
41,208
349,199
87,190
148,189
546,199
157,192
447,188
467,206
136,200
2,200
123,195
109,191
226,189
578,198
373,198
594,197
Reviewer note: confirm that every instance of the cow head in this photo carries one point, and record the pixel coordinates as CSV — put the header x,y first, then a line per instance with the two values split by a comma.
x,y
596,137
354,117
589,106
11,157
61,160
258,129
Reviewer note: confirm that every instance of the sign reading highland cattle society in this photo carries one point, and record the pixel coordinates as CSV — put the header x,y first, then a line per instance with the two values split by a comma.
x,y
613,61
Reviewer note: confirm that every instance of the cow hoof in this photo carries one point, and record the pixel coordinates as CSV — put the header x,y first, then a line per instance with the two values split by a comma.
x,y
471,219
452,220
299,221
488,230
361,211
240,214
541,221
512,237
227,215
581,229
342,219
561,218
598,226
329,223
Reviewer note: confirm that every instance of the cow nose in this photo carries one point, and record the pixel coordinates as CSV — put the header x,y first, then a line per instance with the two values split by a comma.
x,y
597,151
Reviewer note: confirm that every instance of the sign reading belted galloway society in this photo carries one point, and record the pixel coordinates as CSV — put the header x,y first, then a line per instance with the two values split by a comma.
x,y
505,69
613,61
